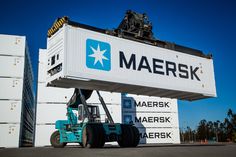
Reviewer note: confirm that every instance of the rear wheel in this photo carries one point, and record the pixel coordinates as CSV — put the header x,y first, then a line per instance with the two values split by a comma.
x,y
55,140
129,137
126,137
136,136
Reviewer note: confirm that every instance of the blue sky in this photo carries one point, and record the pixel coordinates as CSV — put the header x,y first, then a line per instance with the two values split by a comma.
x,y
202,24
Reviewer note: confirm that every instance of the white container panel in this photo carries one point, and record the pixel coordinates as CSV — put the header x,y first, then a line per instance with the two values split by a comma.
x,y
112,98
13,88
152,119
12,45
42,65
134,103
42,72
140,78
10,111
50,113
9,134
43,56
53,94
12,66
43,134
159,135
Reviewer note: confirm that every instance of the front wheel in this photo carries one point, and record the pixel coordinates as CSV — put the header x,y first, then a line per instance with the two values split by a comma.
x,y
93,136
55,140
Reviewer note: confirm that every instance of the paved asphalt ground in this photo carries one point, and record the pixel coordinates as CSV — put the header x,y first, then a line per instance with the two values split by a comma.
x,y
216,150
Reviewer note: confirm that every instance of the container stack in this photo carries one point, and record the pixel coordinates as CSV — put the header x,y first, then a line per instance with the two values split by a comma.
x,y
51,104
156,118
16,96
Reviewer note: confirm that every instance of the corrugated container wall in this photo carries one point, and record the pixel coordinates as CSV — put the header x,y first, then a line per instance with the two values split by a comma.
x,y
16,96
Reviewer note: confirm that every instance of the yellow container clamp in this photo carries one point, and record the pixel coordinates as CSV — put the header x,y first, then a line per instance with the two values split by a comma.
x,y
57,25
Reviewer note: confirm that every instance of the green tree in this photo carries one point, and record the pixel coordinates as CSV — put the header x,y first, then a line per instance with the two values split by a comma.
x,y
221,131
216,129
230,123
202,130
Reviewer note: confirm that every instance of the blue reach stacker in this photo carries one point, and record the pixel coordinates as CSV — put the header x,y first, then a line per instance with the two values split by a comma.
x,y
87,129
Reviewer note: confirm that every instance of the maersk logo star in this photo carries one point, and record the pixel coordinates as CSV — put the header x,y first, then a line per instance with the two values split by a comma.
x,y
127,119
127,103
98,55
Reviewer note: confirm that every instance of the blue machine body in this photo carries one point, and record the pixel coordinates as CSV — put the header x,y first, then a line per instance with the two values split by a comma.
x,y
71,131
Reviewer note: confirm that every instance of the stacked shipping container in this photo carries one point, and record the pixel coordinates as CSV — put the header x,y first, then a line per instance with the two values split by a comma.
x,y
51,104
16,96
156,118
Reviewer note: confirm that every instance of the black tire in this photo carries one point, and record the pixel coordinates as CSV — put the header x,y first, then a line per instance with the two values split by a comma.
x,y
130,136
55,140
136,136
93,136
121,139
127,136
100,135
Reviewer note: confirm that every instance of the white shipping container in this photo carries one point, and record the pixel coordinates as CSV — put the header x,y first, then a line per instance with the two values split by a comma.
x,y
78,57
159,135
134,103
16,79
9,135
151,119
10,111
43,134
12,66
13,88
50,113
12,45
53,94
